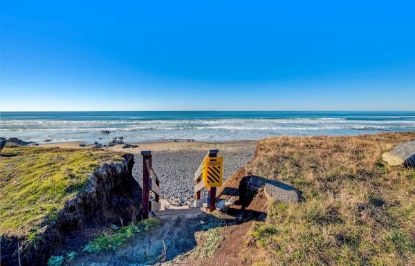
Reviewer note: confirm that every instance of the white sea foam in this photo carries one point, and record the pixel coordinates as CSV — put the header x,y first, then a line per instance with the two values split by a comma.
x,y
198,129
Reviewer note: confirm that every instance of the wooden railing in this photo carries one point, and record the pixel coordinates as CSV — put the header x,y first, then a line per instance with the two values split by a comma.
x,y
150,185
199,184
151,182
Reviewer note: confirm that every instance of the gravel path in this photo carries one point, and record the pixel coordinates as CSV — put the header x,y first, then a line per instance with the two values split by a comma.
x,y
176,170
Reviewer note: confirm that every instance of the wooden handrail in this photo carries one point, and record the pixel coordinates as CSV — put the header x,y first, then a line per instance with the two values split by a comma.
x,y
152,170
149,184
199,186
155,188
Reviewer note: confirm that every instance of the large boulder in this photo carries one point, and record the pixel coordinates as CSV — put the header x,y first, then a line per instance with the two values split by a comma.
x,y
274,190
403,154
2,143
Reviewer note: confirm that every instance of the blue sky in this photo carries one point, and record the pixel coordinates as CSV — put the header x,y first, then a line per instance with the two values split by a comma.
x,y
207,55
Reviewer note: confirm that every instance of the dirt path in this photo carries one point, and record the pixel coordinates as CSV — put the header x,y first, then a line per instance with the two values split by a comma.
x,y
233,247
189,237
175,236
193,237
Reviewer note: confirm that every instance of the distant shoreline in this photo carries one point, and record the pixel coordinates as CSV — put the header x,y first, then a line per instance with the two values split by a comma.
x,y
202,126
161,146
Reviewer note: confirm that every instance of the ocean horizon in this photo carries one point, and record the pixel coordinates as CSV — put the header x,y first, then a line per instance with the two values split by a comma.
x,y
209,126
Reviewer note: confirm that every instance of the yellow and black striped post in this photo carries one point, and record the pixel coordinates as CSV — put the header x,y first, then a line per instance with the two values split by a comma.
x,y
212,190
209,175
213,171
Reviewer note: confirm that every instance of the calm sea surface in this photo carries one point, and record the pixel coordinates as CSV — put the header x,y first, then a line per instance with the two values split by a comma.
x,y
201,126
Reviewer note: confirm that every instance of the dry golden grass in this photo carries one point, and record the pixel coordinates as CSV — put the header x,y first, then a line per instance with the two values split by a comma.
x,y
357,210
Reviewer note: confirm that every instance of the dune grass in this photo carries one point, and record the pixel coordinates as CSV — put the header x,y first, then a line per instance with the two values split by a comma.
x,y
36,182
358,210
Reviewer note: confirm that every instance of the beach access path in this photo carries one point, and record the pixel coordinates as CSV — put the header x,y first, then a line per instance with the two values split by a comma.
x,y
176,163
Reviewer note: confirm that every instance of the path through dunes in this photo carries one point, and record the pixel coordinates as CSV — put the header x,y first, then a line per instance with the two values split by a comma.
x,y
176,168
188,236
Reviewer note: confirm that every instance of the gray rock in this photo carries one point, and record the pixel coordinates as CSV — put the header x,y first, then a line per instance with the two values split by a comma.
x,y
127,146
115,141
273,190
105,132
15,142
96,145
2,143
403,154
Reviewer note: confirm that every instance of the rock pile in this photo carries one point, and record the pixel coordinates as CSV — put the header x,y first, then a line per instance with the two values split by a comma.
x,y
127,146
15,142
116,141
97,145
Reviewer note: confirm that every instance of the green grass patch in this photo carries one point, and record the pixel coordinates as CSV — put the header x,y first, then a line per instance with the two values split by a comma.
x,y
112,241
36,183
263,232
402,242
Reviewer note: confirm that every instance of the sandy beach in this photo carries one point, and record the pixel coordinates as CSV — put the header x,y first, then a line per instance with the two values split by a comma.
x,y
164,146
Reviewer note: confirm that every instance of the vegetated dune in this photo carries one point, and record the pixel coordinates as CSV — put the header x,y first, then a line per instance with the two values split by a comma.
x,y
36,182
357,210
46,193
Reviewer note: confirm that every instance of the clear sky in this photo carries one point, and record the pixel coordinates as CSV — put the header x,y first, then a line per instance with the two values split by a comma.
x,y
207,55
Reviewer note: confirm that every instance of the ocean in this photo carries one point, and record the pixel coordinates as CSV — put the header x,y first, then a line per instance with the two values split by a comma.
x,y
142,126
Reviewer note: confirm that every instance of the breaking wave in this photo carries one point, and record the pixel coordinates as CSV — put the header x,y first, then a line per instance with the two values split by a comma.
x,y
210,129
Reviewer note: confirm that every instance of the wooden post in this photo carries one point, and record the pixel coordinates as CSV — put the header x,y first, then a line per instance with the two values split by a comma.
x,y
157,198
212,199
146,183
212,190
